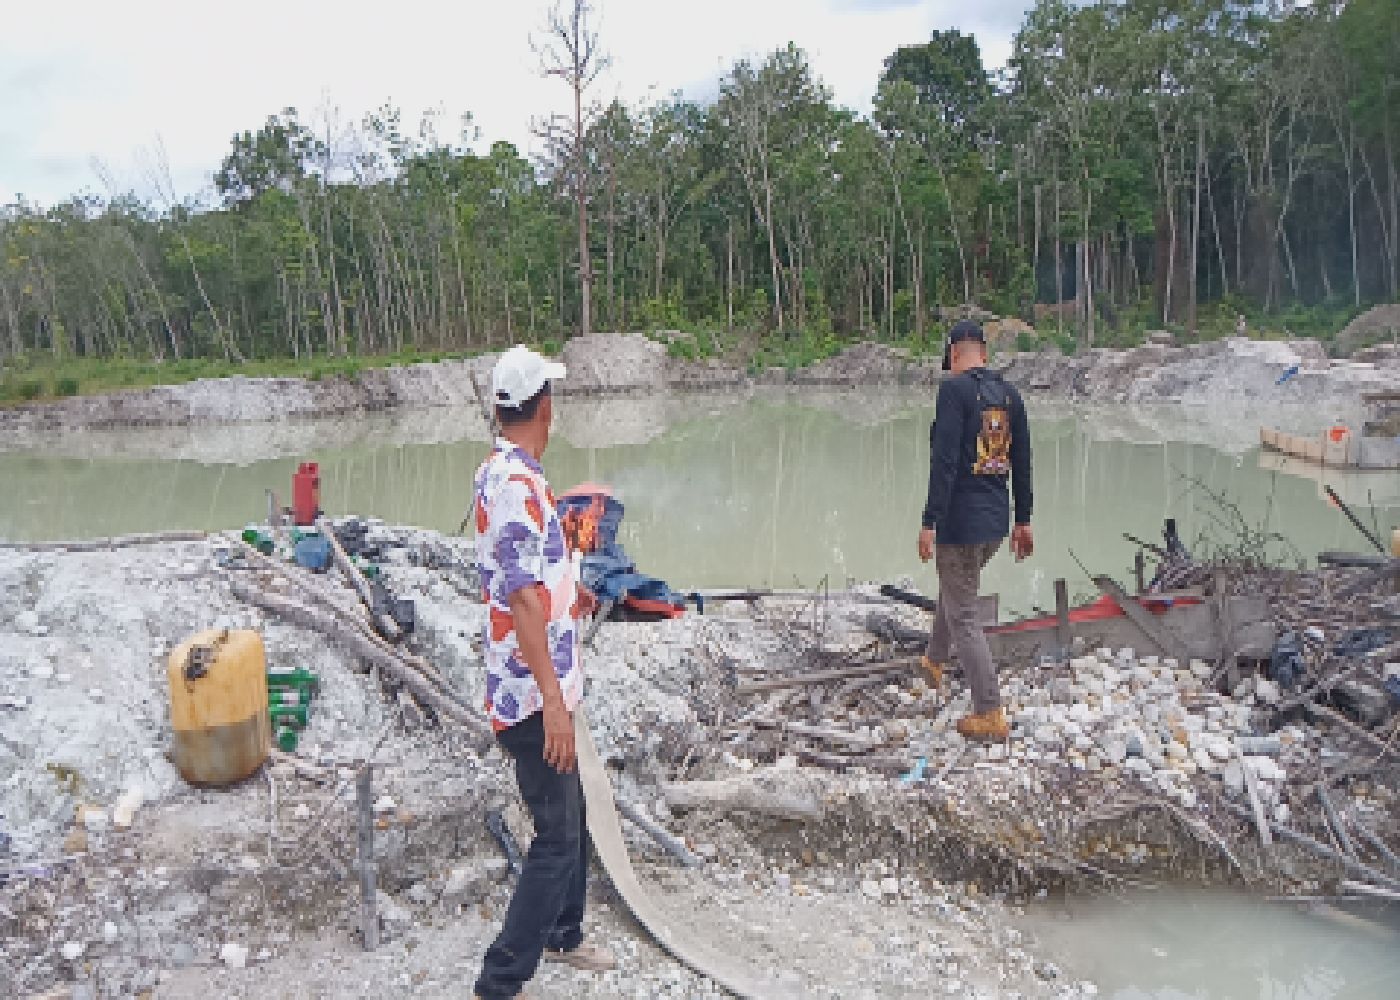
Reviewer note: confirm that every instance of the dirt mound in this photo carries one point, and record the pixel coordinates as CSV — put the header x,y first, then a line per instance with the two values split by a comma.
x,y
614,362
1235,370
1380,323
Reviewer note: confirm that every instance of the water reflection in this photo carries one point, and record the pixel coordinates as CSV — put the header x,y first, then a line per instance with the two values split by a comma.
x,y
769,491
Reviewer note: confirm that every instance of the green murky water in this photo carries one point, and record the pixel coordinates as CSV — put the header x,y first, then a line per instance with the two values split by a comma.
x,y
1205,946
777,491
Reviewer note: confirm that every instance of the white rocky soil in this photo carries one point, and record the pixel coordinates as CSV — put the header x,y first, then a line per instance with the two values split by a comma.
x,y
118,879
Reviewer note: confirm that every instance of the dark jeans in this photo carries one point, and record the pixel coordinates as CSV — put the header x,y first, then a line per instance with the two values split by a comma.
x,y
547,908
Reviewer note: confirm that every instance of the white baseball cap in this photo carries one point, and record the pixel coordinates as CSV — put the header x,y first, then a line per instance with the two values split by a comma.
x,y
520,373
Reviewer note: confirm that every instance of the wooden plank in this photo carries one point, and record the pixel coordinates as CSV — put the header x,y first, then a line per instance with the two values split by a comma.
x,y
825,676
1261,820
1194,623
828,734
1227,660
364,803
988,605
1383,747
1169,644
1063,635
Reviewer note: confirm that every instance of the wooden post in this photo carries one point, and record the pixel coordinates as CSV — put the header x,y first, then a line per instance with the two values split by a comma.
x,y
1229,663
1062,629
1140,571
364,799
1168,642
1261,820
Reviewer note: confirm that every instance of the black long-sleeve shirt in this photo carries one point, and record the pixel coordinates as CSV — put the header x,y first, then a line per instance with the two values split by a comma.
x,y
966,508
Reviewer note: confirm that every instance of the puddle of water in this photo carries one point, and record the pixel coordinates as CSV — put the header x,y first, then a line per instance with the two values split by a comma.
x,y
1202,946
767,492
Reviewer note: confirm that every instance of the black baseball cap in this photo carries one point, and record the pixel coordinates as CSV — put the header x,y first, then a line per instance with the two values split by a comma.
x,y
963,329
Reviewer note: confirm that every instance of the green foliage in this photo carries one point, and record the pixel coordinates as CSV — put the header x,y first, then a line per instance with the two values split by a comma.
x,y
796,351
32,377
771,213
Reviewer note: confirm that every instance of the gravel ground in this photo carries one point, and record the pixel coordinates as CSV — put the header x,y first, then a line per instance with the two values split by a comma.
x,y
890,890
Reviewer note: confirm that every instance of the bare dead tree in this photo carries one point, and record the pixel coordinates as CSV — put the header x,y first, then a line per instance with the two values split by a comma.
x,y
569,50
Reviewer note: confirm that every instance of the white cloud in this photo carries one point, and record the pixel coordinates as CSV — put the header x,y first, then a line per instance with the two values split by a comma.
x,y
84,81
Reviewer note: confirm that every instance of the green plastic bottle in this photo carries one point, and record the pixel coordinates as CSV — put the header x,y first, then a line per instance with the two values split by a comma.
x,y
297,679
259,538
286,739
288,715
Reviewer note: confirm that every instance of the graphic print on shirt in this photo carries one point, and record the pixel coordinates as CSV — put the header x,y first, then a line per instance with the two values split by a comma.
x,y
994,443
520,543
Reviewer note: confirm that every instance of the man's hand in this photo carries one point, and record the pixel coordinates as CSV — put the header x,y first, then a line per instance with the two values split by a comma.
x,y
585,602
558,736
926,541
1022,541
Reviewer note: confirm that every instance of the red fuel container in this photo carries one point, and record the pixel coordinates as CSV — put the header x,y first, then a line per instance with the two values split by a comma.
x,y
306,493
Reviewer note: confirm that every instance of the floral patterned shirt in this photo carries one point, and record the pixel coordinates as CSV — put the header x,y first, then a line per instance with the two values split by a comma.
x,y
520,543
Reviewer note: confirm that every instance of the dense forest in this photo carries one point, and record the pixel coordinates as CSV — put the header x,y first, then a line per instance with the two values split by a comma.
x,y
1138,165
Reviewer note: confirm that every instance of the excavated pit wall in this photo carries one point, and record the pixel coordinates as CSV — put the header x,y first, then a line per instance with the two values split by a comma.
x,y
1234,370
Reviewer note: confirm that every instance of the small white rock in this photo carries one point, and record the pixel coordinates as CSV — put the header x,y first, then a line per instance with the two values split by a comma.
x,y
73,950
234,955
124,812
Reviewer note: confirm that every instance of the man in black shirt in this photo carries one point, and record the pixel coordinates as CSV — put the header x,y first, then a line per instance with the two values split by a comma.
x,y
979,439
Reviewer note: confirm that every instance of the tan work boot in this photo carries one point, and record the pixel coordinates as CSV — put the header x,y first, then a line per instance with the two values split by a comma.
x,y
586,958
985,727
935,672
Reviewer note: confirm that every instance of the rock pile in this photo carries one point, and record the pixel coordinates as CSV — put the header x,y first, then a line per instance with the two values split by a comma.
x,y
1235,369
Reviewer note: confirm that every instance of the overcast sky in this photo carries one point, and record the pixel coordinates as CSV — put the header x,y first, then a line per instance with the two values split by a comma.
x,y
93,81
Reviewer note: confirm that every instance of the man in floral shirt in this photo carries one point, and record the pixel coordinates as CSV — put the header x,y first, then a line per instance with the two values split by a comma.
x,y
534,681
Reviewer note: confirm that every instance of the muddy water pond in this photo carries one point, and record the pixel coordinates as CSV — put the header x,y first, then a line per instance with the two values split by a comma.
x,y
1209,946
776,491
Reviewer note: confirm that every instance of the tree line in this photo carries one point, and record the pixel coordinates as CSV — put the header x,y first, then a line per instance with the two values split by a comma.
x,y
1135,163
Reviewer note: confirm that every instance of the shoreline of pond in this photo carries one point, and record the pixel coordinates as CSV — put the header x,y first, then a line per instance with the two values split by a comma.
x,y
631,366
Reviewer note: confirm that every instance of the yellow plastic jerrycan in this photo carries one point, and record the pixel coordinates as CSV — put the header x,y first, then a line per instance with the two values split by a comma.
x,y
218,706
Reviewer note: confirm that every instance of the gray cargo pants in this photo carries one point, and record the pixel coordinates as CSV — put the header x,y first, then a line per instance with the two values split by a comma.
x,y
955,625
